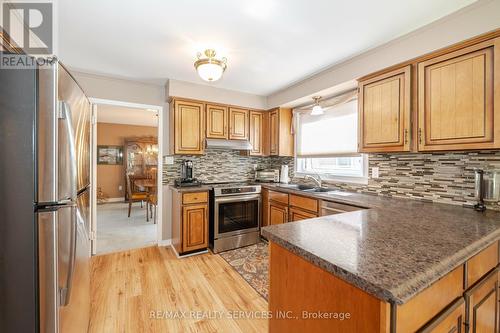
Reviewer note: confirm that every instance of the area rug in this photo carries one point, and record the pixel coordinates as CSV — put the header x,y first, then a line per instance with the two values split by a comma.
x,y
252,263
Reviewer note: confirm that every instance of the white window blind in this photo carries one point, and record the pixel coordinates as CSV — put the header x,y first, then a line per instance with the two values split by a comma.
x,y
333,133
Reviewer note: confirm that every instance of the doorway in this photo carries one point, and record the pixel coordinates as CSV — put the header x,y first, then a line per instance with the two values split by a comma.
x,y
127,169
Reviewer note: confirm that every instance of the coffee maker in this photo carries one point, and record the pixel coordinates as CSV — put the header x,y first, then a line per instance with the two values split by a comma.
x,y
187,178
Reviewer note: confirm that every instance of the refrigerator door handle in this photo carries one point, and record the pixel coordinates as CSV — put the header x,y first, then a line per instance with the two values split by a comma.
x,y
65,292
67,155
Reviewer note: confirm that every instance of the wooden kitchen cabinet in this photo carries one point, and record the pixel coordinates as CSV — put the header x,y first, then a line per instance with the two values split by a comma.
x,y
187,127
189,221
451,320
257,128
216,121
278,213
456,93
385,112
195,227
281,139
297,214
238,124
482,305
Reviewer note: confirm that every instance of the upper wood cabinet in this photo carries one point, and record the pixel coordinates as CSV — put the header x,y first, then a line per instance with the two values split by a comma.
x,y
281,139
384,112
217,121
187,127
456,93
257,130
238,124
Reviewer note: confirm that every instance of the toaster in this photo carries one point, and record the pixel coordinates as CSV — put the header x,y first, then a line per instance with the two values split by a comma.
x,y
267,175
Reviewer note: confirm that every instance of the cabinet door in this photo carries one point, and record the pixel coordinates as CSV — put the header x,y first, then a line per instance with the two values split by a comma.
x,y
238,124
194,227
216,121
278,214
274,132
450,321
265,207
188,127
298,214
455,99
384,112
256,133
482,305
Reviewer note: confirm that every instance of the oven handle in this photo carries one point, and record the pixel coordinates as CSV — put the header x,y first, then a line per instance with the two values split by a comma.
x,y
238,198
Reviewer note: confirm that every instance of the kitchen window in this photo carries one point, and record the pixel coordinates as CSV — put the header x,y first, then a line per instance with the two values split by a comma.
x,y
327,144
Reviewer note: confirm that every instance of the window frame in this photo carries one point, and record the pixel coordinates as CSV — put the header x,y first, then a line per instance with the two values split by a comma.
x,y
330,177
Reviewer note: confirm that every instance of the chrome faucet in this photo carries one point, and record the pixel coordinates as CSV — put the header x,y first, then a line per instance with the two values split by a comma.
x,y
316,179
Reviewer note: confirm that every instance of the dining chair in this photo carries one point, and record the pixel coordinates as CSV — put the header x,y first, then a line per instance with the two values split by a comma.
x,y
134,196
153,204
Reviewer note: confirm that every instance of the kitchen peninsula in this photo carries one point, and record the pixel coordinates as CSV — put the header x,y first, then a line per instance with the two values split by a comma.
x,y
398,266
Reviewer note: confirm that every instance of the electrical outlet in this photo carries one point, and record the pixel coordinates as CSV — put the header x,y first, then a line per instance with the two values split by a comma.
x,y
120,188
375,171
169,160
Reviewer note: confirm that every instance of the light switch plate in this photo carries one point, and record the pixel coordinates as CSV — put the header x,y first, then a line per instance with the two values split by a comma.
x,y
375,172
169,160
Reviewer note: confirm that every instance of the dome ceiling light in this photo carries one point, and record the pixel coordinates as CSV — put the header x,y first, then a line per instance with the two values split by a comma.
x,y
317,109
209,68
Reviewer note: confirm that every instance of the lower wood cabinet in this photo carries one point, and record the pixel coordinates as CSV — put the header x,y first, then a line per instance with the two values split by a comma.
x,y
297,214
278,213
450,321
482,305
194,227
189,221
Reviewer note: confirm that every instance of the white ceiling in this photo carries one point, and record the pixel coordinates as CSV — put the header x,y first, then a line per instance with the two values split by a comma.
x,y
125,115
270,44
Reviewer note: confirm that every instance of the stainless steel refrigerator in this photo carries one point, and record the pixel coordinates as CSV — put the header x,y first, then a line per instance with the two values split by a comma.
x,y
44,201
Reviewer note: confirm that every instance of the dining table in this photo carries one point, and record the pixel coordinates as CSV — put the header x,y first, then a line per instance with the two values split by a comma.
x,y
146,183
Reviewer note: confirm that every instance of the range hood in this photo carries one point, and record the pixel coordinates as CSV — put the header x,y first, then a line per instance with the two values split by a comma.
x,y
229,144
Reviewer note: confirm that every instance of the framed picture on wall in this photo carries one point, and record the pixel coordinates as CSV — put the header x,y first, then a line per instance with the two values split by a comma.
x,y
111,155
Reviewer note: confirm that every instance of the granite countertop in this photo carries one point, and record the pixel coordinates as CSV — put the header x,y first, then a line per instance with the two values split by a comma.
x,y
392,250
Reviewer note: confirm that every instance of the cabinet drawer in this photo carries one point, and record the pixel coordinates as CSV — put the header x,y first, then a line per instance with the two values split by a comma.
x,y
194,197
412,315
299,214
278,197
452,320
304,203
480,264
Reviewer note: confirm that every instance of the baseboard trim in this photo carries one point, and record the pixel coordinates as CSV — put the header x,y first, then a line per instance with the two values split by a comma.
x,y
187,255
165,242
114,200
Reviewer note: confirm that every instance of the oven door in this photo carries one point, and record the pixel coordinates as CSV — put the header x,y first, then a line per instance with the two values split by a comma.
x,y
236,215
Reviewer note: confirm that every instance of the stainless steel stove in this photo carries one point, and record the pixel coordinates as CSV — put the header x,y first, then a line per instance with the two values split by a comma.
x,y
235,215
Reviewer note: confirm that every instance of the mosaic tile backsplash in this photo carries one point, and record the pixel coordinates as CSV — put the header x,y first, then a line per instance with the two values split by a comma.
x,y
437,177
218,165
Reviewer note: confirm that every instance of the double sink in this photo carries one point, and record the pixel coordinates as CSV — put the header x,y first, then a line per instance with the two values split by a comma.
x,y
312,189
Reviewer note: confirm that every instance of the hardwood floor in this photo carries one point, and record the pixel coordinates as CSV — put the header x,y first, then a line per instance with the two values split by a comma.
x,y
128,287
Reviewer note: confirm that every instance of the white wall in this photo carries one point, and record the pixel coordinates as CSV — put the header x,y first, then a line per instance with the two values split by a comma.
x,y
99,86
209,93
103,87
471,21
